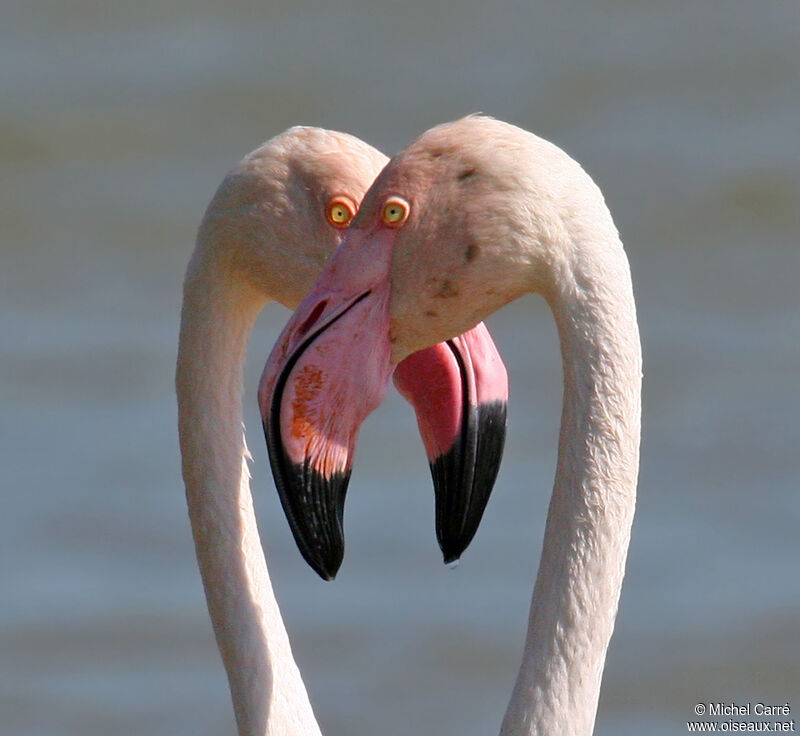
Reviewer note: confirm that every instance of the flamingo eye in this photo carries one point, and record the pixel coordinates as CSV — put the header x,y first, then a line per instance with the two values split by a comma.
x,y
395,211
341,211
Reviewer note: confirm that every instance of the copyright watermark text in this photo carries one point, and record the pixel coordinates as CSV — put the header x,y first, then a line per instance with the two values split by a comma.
x,y
756,717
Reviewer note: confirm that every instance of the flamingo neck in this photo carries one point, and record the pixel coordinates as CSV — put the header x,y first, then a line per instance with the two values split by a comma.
x,y
591,510
268,693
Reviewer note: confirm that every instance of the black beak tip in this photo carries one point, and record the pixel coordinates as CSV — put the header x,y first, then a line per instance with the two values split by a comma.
x,y
463,478
453,545
314,506
326,565
315,512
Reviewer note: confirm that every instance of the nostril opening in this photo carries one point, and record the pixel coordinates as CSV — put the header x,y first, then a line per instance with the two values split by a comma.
x,y
312,318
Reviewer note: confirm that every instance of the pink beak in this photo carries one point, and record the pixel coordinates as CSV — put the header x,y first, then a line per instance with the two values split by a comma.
x,y
331,367
459,391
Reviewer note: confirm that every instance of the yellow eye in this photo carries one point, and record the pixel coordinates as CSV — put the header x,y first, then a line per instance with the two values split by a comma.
x,y
395,211
340,211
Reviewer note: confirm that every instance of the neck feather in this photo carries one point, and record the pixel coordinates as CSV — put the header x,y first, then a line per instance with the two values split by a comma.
x,y
268,693
589,521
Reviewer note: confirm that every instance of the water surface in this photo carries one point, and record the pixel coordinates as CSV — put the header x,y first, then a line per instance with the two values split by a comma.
x,y
117,121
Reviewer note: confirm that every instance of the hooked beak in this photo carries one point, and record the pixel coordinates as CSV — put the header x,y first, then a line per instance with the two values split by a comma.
x,y
331,367
316,390
459,390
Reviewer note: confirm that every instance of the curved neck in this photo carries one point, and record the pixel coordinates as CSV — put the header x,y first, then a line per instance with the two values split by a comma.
x,y
589,521
268,693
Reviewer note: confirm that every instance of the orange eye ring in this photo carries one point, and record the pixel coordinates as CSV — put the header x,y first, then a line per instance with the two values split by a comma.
x,y
395,211
340,211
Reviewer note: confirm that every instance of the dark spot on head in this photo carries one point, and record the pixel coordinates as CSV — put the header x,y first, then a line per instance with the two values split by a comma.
x,y
446,290
466,173
431,313
472,251
436,153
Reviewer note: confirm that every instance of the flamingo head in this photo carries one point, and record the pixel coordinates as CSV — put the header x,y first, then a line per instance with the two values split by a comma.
x,y
281,212
266,234
446,235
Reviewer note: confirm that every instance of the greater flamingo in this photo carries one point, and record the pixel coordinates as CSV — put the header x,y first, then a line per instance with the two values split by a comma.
x,y
470,216
266,235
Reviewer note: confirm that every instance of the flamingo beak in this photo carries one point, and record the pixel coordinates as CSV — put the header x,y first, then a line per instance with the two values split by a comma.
x,y
329,369
459,390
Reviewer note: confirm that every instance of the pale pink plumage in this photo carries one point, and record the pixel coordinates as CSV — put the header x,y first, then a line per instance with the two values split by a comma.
x,y
496,212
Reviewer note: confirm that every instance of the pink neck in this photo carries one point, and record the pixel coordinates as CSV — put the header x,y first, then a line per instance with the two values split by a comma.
x,y
268,693
589,521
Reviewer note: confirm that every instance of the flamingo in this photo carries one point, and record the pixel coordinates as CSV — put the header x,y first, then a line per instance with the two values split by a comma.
x,y
265,236
467,218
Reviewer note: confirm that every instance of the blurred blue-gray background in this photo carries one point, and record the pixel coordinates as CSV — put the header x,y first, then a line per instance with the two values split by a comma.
x,y
117,122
